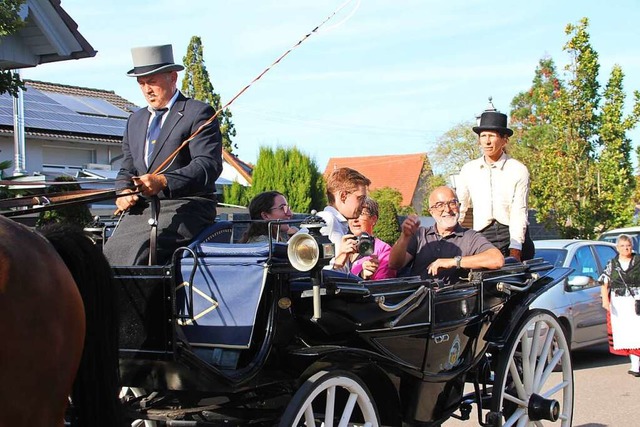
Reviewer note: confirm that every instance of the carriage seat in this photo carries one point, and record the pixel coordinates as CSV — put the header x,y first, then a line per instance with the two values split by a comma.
x,y
218,232
219,292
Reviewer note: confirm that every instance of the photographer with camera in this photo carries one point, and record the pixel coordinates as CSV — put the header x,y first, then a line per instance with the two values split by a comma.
x,y
620,291
369,255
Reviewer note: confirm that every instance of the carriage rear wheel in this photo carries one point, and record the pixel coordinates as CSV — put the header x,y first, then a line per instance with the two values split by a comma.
x,y
331,398
527,391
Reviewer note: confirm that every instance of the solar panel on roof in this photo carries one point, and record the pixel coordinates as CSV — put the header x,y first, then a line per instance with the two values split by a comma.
x,y
72,103
46,114
103,106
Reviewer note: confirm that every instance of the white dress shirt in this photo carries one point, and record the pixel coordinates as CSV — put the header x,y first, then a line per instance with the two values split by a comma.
x,y
496,191
337,226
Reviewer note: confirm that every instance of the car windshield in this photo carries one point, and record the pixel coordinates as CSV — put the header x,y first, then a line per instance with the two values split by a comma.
x,y
552,256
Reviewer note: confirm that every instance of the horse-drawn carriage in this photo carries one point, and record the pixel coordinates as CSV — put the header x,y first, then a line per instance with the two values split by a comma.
x,y
261,334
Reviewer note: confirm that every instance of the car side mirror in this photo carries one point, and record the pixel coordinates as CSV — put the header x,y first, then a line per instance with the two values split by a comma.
x,y
577,282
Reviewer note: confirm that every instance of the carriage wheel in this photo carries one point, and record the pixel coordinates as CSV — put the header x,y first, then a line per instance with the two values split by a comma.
x,y
128,392
527,391
334,398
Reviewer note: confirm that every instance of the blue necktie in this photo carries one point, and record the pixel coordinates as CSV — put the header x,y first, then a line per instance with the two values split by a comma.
x,y
154,132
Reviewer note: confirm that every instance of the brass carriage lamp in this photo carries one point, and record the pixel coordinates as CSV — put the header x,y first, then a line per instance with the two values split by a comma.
x,y
311,251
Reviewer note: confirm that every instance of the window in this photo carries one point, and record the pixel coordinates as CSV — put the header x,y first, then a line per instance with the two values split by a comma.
x,y
605,254
584,263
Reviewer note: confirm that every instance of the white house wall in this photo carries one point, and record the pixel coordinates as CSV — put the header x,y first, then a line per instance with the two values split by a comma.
x,y
41,152
231,174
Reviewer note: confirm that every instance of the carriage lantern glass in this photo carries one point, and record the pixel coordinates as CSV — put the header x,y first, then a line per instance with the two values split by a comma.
x,y
308,251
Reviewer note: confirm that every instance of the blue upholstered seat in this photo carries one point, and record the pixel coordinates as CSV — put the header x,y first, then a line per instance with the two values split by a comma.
x,y
218,232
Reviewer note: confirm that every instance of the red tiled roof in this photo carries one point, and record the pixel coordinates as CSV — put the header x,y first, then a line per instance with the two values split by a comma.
x,y
401,171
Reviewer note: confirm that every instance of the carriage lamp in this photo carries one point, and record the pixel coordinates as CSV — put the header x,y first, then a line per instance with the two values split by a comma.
x,y
311,252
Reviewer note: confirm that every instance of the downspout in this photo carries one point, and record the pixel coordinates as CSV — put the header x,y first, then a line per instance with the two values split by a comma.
x,y
18,133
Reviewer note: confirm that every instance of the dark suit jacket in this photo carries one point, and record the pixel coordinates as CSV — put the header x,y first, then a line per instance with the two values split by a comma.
x,y
197,166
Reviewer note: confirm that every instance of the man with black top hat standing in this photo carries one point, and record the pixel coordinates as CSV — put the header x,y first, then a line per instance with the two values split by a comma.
x,y
497,187
184,189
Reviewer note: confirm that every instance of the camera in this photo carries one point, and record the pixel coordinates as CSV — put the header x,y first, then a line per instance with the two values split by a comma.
x,y
364,244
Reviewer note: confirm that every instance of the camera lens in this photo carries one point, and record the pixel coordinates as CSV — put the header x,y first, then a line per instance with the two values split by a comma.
x,y
365,244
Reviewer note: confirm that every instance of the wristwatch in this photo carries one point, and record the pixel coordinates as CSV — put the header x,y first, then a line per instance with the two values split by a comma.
x,y
458,260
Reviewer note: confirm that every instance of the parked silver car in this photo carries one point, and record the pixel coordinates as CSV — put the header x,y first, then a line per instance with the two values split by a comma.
x,y
576,301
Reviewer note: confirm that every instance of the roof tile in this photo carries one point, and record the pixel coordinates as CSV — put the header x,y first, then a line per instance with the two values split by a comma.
x,y
401,171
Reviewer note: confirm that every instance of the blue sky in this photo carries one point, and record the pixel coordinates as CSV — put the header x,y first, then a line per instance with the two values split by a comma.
x,y
390,78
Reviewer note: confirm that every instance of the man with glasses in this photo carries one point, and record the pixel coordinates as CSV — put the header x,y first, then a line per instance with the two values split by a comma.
x,y
497,187
444,250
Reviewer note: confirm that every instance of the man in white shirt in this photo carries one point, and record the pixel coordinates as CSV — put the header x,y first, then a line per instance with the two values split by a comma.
x,y
497,187
346,193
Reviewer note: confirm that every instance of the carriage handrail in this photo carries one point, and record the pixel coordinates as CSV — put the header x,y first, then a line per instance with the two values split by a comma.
x,y
395,307
416,304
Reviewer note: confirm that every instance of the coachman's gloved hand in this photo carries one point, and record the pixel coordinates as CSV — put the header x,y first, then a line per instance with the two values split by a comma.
x,y
515,253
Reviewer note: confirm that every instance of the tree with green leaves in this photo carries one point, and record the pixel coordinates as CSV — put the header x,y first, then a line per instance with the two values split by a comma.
x,y
387,228
576,149
4,191
452,150
615,178
235,194
197,84
10,22
394,196
292,173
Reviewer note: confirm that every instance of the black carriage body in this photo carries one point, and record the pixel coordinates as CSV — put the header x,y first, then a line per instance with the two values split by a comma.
x,y
412,341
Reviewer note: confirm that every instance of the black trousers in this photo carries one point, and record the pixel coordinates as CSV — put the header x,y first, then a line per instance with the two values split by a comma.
x,y
498,234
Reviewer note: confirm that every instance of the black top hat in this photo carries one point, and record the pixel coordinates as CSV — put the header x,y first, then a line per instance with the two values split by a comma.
x,y
493,121
149,60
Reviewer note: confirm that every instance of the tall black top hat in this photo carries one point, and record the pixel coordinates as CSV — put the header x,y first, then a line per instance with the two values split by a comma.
x,y
149,60
493,120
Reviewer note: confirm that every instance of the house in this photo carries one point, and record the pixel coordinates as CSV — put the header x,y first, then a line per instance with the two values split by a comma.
x,y
403,172
77,131
66,128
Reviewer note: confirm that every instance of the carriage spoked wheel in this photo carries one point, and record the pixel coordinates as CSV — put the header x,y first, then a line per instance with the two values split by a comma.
x,y
128,392
331,398
527,391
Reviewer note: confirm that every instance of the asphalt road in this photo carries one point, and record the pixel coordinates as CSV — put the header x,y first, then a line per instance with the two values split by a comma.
x,y
605,394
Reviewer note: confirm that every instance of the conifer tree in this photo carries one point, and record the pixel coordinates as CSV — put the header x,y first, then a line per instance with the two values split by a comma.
x,y
292,173
387,228
235,194
197,84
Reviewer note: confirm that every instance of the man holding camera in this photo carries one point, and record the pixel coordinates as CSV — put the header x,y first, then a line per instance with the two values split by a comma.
x,y
446,249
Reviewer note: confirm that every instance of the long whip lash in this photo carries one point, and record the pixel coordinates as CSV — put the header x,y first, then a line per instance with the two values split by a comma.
x,y
172,156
